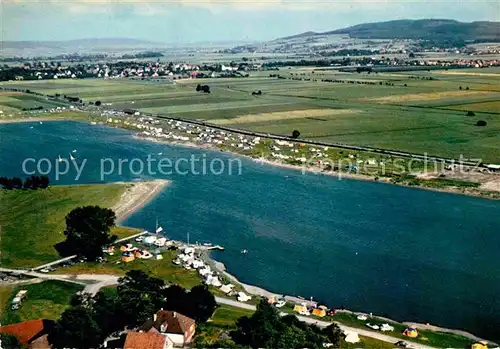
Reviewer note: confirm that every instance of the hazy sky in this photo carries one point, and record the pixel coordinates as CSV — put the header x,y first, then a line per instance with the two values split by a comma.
x,y
215,20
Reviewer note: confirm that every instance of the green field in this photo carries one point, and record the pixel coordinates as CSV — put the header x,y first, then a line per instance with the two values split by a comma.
x,y
33,221
421,111
45,300
163,269
226,315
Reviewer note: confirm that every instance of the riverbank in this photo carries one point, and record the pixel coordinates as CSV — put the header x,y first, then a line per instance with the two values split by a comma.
x,y
260,292
136,196
469,182
488,185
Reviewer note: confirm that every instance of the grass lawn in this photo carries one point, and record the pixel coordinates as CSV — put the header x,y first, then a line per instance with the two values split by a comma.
x,y
226,315
163,269
45,300
33,221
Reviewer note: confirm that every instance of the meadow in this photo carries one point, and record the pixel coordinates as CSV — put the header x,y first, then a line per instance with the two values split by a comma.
x,y
421,111
33,222
45,300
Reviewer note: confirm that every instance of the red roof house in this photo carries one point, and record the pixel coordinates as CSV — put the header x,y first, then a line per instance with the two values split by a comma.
x,y
178,328
149,340
29,331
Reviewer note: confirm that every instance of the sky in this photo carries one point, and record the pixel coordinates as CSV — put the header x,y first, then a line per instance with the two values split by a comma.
x,y
191,21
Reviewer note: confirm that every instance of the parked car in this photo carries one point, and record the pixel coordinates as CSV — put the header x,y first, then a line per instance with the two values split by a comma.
x,y
401,344
280,303
374,327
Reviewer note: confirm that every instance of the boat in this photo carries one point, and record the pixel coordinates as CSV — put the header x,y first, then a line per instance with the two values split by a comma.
x,y
244,251
60,159
74,151
71,157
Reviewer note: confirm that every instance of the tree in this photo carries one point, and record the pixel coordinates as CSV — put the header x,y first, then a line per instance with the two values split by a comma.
x,y
87,231
261,330
460,87
334,334
266,329
201,303
295,134
76,329
481,123
97,103
9,341
139,296
198,88
471,113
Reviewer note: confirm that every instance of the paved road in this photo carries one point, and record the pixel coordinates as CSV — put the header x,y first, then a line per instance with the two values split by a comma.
x,y
67,278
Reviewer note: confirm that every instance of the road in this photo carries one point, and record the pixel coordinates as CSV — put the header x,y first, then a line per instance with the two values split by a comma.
x,y
101,280
319,323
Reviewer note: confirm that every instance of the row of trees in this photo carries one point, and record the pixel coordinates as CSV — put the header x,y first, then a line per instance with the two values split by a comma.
x,y
32,182
90,320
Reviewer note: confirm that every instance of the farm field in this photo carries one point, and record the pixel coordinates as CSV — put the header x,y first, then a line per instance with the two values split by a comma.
x,y
420,111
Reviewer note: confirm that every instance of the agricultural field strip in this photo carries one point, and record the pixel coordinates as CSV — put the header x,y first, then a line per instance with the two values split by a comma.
x,y
284,115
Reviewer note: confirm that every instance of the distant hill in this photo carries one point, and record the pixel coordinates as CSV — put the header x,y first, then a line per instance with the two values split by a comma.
x,y
427,29
297,36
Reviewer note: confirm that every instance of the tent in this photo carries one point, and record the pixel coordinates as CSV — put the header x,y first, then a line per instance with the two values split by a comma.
x,y
411,332
300,308
319,312
351,337
480,345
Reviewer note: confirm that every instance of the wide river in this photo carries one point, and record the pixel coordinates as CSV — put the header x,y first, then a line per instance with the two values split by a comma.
x,y
405,253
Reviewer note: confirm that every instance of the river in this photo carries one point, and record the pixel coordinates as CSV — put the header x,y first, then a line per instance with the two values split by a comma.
x,y
406,253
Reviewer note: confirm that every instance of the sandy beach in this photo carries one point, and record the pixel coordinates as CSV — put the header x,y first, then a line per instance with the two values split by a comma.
x,y
136,196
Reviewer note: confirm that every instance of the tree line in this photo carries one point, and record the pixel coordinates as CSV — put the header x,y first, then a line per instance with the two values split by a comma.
x,y
32,182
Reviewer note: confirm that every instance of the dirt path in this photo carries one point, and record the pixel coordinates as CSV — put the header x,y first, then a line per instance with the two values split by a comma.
x,y
136,196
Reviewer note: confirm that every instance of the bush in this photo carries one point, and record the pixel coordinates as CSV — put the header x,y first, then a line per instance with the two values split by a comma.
x,y
470,113
481,123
